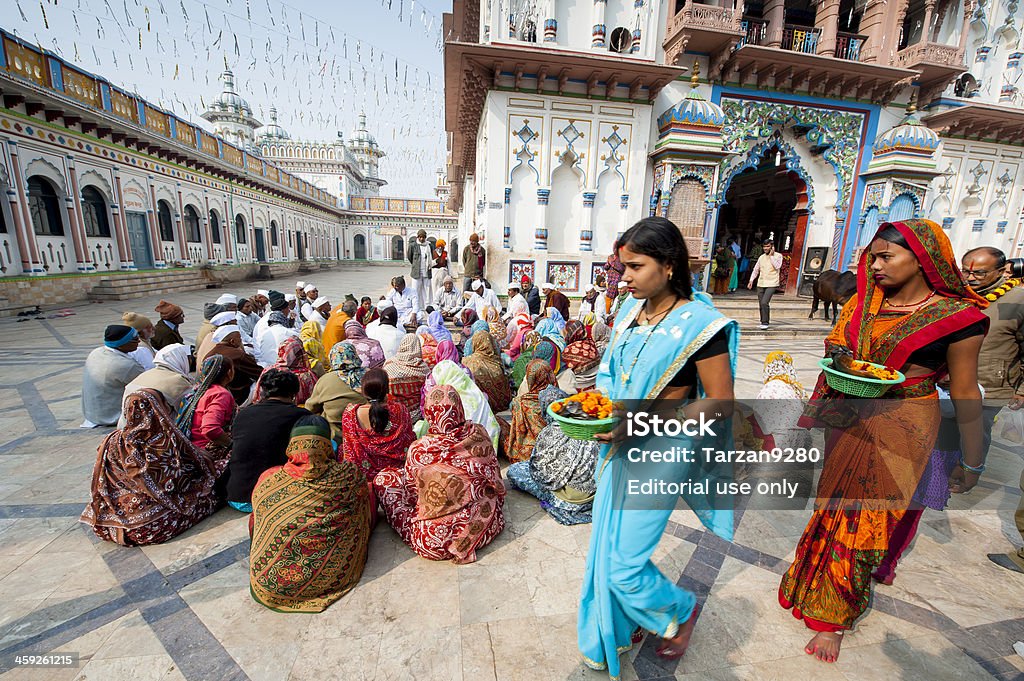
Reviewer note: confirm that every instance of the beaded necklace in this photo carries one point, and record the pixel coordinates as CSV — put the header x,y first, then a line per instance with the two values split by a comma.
x,y
627,375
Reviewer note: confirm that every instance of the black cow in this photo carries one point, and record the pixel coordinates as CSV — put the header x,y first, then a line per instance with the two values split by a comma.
x,y
834,289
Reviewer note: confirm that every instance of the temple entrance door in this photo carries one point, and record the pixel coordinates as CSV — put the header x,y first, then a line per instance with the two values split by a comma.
x,y
766,201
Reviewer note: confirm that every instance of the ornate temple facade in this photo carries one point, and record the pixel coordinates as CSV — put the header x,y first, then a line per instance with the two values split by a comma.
x,y
809,123
96,179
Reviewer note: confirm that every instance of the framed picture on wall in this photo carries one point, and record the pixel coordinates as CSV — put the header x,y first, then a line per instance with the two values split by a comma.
x,y
518,268
564,275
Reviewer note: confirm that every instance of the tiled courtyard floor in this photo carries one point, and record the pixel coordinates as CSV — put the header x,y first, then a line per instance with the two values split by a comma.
x,y
182,610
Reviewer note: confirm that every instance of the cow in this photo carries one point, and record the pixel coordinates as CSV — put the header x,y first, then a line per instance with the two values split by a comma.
x,y
834,289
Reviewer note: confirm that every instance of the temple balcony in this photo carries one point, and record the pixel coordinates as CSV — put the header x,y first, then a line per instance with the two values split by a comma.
x,y
935,61
701,28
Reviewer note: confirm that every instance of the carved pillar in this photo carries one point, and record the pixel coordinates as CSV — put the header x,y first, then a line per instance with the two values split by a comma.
x,y
775,14
210,254
587,230
227,233
73,202
124,244
827,20
929,14
541,234
597,40
154,230
506,230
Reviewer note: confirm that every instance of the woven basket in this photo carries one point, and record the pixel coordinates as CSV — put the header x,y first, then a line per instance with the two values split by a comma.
x,y
579,429
857,386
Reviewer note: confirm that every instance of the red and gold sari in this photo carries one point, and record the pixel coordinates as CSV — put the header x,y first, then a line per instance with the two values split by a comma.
x,y
876,456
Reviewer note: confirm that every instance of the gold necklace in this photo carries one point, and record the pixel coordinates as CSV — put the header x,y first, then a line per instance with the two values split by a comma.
x,y
917,304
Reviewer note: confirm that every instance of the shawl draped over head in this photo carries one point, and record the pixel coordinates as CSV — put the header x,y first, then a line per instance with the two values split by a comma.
x,y
149,483
548,329
527,418
580,350
174,357
468,318
373,451
371,353
291,357
488,372
526,347
312,342
447,501
207,377
311,526
548,351
474,401
494,323
446,350
478,325
406,374
345,360
556,318
435,325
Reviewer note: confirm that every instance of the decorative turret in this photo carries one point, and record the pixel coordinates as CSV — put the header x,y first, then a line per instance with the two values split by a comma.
x,y
907,148
364,147
231,115
693,125
273,132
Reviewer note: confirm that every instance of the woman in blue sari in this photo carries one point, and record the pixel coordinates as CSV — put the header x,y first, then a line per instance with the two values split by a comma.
x,y
668,343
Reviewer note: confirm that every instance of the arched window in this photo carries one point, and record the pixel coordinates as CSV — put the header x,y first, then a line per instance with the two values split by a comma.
x,y
273,233
239,229
868,227
44,206
902,208
214,227
620,40
192,232
94,213
163,212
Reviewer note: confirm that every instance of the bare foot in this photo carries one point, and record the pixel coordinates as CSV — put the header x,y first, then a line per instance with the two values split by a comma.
x,y
825,646
675,647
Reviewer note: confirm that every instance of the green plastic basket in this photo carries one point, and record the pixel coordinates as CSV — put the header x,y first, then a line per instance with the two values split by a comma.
x,y
856,385
579,429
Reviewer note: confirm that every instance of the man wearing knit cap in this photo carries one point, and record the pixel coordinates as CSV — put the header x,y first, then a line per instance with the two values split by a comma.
x,y
210,310
532,295
108,369
321,312
447,300
422,261
145,352
167,331
229,301
305,304
278,327
555,299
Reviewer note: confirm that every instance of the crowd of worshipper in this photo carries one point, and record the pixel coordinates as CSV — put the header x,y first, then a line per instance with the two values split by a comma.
x,y
314,415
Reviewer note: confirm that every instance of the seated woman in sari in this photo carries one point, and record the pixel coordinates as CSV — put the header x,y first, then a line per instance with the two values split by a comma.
x,y
913,312
150,483
292,357
338,388
467,341
581,355
527,416
669,343
548,351
371,353
407,372
529,343
495,326
436,327
560,472
488,371
474,402
466,319
447,500
375,435
207,412
311,524
170,376
428,345
516,332
311,336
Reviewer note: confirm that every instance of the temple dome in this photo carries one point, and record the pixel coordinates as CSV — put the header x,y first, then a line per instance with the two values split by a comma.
x,y
229,100
909,135
693,110
273,132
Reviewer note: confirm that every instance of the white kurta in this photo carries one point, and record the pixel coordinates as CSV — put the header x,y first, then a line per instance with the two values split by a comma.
x,y
388,336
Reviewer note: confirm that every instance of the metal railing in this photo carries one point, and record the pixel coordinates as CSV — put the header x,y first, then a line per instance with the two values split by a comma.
x,y
754,31
800,39
848,46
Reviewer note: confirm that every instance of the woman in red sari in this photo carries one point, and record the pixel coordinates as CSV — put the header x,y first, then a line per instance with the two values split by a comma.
x,y
375,435
447,501
914,312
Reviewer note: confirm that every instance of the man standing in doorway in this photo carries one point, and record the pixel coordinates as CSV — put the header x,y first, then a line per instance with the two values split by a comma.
x,y
473,262
422,261
766,272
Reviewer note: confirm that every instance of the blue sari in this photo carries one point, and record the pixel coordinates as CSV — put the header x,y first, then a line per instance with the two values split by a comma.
x,y
622,588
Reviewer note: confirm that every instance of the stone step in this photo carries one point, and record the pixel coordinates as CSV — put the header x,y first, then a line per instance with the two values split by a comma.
x,y
151,277
127,293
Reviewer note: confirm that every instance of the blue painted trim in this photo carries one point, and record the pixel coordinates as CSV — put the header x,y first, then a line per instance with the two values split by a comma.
x,y
3,52
107,100
56,74
174,127
142,111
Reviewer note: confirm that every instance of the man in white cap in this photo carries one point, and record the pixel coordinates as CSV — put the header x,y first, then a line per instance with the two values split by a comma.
x,y
619,299
591,302
421,259
229,301
321,312
261,302
306,305
292,310
482,297
219,320
555,298
447,300
516,303
300,290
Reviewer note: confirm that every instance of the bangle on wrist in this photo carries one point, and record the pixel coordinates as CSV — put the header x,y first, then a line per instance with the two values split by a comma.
x,y
972,469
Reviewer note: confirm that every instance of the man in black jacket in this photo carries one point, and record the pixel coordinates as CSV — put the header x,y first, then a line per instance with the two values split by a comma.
x,y
532,295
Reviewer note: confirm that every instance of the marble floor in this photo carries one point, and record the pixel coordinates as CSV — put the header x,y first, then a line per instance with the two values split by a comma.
x,y
182,610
